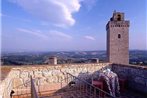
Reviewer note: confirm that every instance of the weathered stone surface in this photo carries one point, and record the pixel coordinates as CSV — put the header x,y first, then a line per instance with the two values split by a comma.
x,y
136,75
139,80
55,74
24,74
52,75
17,82
118,39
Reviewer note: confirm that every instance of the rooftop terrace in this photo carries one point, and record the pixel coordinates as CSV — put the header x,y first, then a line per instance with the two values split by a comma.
x,y
53,81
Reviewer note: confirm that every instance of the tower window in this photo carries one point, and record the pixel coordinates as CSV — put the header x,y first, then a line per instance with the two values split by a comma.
x,y
119,17
119,36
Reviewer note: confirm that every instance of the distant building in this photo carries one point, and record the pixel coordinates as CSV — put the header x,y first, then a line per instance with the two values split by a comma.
x,y
69,61
94,60
52,60
118,39
1,62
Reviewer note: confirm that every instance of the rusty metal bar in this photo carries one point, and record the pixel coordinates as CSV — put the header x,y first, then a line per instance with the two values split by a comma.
x,y
94,92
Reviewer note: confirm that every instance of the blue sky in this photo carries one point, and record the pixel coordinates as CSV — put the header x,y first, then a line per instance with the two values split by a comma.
x,y
66,25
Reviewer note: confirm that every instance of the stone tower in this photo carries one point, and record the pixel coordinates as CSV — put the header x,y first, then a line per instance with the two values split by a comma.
x,y
53,60
118,39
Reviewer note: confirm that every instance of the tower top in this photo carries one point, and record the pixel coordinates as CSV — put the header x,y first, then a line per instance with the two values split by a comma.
x,y
117,16
114,11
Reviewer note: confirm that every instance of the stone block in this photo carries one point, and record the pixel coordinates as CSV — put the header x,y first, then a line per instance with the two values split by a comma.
x,y
24,74
17,82
140,80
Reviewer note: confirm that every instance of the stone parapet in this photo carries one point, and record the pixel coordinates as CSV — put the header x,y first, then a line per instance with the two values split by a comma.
x,y
45,75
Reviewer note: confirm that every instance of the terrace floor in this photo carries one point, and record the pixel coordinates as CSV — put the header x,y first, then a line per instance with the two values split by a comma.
x,y
132,94
126,94
78,94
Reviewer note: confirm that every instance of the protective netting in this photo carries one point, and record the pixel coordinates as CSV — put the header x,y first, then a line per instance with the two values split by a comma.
x,y
111,80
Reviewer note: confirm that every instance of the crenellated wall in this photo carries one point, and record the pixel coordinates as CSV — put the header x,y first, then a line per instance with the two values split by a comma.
x,y
135,74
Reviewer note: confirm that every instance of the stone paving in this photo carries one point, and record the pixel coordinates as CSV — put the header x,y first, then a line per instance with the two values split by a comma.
x,y
73,94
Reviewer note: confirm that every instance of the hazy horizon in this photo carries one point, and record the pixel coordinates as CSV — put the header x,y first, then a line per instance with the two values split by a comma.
x,y
62,51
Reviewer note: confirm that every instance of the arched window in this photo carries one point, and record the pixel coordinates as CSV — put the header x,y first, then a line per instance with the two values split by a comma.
x,y
119,36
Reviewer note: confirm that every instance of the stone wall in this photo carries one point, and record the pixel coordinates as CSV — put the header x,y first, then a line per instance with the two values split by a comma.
x,y
52,76
136,76
47,77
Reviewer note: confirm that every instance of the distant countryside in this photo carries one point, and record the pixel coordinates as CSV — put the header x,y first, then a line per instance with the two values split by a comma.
x,y
137,57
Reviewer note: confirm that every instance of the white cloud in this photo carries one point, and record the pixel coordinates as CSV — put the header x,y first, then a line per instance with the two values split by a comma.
x,y
57,34
33,32
54,35
89,37
58,12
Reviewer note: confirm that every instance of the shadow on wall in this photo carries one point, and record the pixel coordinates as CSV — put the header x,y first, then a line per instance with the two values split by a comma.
x,y
46,88
80,84
136,76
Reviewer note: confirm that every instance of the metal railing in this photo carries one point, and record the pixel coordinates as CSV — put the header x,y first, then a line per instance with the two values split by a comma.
x,y
22,90
33,90
70,85
85,88
26,90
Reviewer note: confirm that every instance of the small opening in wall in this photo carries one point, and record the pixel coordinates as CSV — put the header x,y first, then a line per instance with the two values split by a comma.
x,y
119,36
119,17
